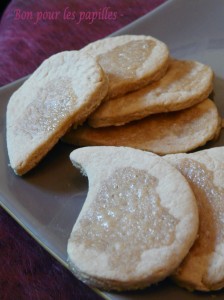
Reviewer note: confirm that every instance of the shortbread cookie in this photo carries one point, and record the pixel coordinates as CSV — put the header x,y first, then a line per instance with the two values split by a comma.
x,y
63,91
203,268
186,83
174,132
130,61
138,222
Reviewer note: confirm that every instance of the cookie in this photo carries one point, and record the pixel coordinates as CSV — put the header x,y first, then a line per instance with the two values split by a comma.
x,y
138,221
203,268
186,83
130,61
63,91
172,132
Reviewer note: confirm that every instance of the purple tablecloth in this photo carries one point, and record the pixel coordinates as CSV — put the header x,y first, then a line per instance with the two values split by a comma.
x,y
31,31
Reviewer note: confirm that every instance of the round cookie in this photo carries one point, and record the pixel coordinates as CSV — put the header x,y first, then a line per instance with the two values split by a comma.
x,y
138,222
63,91
130,61
186,83
166,133
203,267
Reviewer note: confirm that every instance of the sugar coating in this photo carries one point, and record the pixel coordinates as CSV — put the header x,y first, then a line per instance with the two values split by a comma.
x,y
129,57
210,202
45,115
126,213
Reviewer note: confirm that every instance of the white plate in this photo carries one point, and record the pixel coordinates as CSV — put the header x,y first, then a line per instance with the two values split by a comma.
x,y
47,201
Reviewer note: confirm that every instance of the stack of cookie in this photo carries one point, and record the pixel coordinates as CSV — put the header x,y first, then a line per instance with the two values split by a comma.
x,y
167,111
119,91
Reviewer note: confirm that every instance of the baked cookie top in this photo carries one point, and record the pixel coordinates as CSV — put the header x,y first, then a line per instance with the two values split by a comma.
x,y
186,83
165,133
63,91
203,268
138,222
130,61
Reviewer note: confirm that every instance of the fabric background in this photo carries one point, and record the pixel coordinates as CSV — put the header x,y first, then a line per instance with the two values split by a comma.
x,y
27,271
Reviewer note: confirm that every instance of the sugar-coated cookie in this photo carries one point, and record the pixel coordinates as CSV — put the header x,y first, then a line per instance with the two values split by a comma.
x,y
138,221
166,133
63,91
130,61
203,268
186,83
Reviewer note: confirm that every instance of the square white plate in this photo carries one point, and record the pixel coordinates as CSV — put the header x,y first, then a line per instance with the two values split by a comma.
x,y
47,201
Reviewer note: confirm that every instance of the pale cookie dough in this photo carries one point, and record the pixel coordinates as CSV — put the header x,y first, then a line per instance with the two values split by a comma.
x,y
203,268
130,61
63,91
166,133
138,221
186,83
